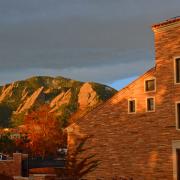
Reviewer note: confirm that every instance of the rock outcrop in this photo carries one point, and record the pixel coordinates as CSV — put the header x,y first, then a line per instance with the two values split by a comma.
x,y
67,98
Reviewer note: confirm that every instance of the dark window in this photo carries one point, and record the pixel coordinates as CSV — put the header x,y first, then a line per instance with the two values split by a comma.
x,y
150,85
178,163
132,106
178,115
150,104
178,70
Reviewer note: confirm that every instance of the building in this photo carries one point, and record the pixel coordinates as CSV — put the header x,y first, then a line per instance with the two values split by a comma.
x,y
137,131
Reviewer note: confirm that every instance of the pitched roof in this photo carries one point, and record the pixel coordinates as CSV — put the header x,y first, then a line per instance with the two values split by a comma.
x,y
166,22
101,105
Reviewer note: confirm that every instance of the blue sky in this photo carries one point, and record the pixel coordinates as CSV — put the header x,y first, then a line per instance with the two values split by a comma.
x,y
119,84
107,41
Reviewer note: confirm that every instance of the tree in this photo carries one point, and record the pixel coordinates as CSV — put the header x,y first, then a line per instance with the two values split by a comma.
x,y
6,113
7,145
79,162
43,131
11,142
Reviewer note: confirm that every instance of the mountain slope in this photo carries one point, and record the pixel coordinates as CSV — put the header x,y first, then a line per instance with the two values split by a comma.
x,y
67,98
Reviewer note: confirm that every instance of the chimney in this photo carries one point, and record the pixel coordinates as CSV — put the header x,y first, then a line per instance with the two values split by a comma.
x,y
167,39
167,49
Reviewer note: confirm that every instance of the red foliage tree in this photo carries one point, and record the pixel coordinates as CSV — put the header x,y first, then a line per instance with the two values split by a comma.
x,y
44,132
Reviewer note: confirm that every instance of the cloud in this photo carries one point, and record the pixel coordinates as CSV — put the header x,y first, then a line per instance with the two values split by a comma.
x,y
83,39
111,67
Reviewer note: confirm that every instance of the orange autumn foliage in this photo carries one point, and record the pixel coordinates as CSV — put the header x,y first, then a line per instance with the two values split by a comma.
x,y
44,132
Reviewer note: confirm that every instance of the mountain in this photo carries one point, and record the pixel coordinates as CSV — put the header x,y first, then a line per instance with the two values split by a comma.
x,y
68,99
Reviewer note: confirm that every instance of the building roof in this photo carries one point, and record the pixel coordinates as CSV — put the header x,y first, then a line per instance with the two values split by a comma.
x,y
166,22
151,71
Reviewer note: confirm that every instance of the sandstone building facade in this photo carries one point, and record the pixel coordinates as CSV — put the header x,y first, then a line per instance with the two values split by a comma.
x,y
137,131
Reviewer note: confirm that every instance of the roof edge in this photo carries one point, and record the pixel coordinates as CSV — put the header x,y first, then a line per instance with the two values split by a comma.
x,y
101,105
166,23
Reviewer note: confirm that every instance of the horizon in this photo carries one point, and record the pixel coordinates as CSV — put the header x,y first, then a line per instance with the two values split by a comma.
x,y
105,42
118,85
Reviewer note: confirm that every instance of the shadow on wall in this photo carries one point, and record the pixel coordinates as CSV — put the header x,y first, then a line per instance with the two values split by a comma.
x,y
135,128
4,177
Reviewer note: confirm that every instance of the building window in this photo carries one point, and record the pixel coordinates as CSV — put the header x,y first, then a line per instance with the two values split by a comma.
x,y
177,70
150,85
132,106
178,115
150,104
176,159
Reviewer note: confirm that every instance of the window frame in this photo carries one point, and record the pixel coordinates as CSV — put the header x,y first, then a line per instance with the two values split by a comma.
x,y
150,97
152,78
176,114
132,99
175,71
175,147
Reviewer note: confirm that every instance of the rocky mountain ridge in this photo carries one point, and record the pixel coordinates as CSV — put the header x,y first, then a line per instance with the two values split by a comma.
x,y
67,98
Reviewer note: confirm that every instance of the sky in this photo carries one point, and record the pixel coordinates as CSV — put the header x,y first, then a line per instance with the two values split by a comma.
x,y
106,41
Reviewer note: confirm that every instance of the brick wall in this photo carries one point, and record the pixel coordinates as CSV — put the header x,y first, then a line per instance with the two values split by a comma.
x,y
44,177
11,167
37,177
137,145
22,178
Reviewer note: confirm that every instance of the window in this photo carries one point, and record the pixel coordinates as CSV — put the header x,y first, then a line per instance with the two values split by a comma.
x,y
177,70
150,104
178,115
176,159
178,162
132,106
150,85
